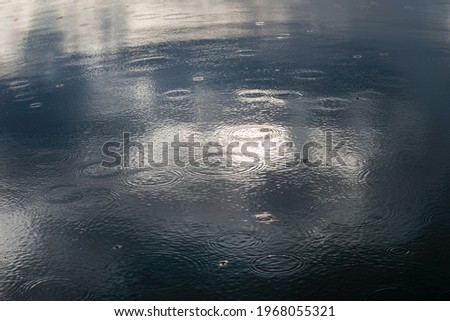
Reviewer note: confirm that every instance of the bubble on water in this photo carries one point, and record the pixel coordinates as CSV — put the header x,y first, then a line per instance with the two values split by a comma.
x,y
197,78
383,54
223,263
265,218
357,56
59,85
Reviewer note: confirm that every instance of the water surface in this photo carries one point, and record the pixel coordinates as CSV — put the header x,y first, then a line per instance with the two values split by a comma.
x,y
76,75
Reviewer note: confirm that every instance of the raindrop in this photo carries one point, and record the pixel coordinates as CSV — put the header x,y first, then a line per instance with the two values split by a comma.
x,y
265,218
223,263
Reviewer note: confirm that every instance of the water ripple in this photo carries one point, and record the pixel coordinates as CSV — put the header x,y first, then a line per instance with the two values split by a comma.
x,y
308,74
276,97
351,213
398,251
62,194
332,103
235,243
48,159
147,178
154,273
75,200
95,170
277,265
437,217
177,94
53,289
392,294
148,63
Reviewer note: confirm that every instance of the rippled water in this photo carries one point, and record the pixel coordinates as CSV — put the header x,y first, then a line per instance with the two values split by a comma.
x,y
373,74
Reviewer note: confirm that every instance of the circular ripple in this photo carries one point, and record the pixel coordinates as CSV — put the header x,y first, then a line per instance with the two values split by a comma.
x,y
35,105
25,96
351,213
224,171
254,96
437,217
247,52
19,84
392,294
368,95
332,103
399,251
156,272
237,243
309,74
151,178
380,181
277,265
63,194
286,94
271,96
49,159
248,133
197,78
177,94
146,63
95,201
444,296
10,197
96,170
53,289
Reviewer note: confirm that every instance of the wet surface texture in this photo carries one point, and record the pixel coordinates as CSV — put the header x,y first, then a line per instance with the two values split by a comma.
x,y
375,74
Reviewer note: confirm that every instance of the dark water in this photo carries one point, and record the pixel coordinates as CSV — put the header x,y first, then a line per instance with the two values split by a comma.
x,y
76,75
